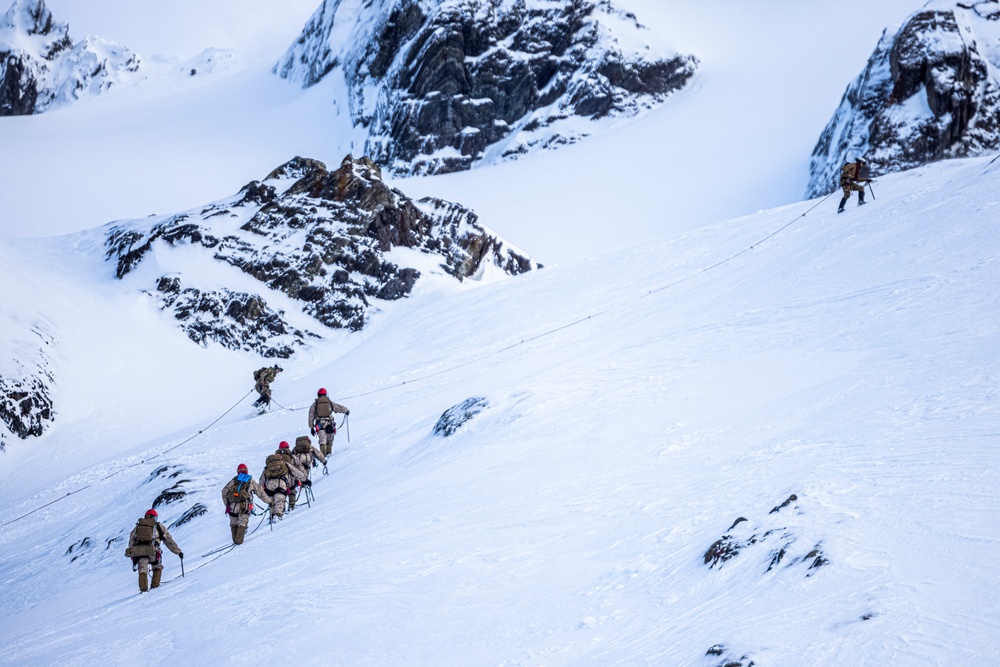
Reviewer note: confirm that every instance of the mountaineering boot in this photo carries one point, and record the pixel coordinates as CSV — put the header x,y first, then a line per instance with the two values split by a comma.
x,y
842,203
240,533
156,579
232,529
143,582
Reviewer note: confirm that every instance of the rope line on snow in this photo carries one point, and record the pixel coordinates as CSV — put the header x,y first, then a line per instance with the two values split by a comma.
x,y
132,465
470,362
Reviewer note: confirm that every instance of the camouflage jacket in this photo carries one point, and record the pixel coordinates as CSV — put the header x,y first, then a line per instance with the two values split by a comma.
x,y
236,506
159,533
266,375
319,407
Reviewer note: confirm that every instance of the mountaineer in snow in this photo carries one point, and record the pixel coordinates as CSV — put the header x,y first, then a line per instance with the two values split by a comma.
x,y
264,377
280,478
144,548
238,497
852,177
321,420
307,456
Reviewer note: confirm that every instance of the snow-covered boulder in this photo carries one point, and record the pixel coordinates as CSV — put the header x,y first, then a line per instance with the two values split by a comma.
x,y
437,86
929,92
41,68
302,250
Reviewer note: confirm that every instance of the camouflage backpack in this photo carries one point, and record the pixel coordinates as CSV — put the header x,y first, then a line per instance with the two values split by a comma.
x,y
241,494
324,408
275,466
302,445
145,532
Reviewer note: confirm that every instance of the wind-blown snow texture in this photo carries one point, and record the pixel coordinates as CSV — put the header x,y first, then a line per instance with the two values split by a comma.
x,y
442,85
626,412
930,91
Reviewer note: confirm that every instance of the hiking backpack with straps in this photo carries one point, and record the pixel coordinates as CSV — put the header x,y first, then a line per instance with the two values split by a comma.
x,y
275,466
302,445
241,494
145,534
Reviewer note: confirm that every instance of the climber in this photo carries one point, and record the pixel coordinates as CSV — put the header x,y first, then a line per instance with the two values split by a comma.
x,y
321,420
853,175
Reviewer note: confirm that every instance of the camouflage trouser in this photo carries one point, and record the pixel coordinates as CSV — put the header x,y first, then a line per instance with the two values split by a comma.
x,y
325,439
265,393
242,519
278,503
851,186
145,563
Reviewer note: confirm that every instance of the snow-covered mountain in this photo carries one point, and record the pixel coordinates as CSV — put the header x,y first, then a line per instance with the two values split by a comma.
x,y
930,91
41,68
273,268
441,85
768,441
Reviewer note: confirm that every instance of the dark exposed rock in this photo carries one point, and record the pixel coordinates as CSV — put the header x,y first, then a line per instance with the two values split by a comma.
x,y
929,92
26,406
76,549
454,82
455,416
745,536
196,510
173,494
317,237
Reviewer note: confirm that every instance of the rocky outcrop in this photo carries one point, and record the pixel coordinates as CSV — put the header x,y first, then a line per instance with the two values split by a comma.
x,y
440,86
41,68
318,243
774,544
26,406
930,91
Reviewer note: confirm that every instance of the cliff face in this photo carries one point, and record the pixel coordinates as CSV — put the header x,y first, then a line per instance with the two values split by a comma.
x,y
440,86
929,92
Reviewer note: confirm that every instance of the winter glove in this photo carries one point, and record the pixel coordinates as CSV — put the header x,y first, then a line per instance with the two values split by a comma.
x,y
307,482
181,554
315,463
347,413
228,510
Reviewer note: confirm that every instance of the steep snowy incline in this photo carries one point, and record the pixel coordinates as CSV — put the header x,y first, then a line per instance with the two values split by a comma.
x,y
835,387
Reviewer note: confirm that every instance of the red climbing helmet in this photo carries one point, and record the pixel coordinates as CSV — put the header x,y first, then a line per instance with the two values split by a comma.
x,y
151,512
242,468
321,392
283,445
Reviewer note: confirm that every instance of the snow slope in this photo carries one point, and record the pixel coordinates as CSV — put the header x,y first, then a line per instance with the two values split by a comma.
x,y
637,404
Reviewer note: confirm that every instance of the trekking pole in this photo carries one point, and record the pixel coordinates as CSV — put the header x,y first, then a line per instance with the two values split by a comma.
x,y
870,189
182,566
348,427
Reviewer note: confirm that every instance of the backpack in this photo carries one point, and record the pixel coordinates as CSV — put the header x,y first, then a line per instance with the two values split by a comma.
x,y
145,529
302,445
275,466
324,407
256,374
241,494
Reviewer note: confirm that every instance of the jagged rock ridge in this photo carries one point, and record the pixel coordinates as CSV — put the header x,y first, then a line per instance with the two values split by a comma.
x,y
442,85
313,240
41,68
930,91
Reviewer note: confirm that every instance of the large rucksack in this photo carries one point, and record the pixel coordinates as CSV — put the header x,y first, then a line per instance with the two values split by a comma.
x,y
241,494
145,537
302,445
324,407
275,466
